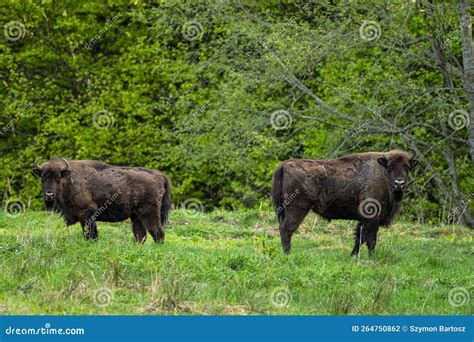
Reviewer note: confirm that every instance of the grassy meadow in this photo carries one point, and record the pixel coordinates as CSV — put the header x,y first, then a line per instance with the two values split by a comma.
x,y
231,263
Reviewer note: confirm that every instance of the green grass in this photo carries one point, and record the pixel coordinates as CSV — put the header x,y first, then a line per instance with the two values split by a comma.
x,y
231,263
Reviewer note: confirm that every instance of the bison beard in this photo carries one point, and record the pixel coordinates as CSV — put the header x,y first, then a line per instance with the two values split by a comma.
x,y
366,187
88,191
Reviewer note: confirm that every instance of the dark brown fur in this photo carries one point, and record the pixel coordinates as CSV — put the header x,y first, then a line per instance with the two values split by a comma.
x,y
87,191
340,189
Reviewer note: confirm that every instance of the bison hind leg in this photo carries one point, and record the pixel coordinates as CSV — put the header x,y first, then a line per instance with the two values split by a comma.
x,y
291,222
358,239
151,220
371,235
139,231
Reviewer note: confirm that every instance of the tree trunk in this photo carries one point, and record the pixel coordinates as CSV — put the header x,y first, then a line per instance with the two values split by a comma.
x,y
468,63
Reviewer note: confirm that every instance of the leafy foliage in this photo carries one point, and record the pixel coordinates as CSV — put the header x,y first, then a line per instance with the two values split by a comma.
x,y
191,87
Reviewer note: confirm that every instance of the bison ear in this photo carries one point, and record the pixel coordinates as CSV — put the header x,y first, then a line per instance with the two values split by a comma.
x,y
36,172
383,161
413,163
65,173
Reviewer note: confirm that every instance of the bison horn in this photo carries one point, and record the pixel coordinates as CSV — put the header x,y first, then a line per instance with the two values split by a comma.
x,y
36,164
67,164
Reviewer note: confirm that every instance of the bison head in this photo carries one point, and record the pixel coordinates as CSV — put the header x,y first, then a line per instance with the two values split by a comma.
x,y
398,164
51,174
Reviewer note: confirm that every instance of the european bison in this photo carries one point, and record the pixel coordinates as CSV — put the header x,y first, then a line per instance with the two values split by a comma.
x,y
88,191
367,187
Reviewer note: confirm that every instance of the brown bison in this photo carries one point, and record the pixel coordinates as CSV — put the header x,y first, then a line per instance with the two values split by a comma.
x,y
367,187
87,191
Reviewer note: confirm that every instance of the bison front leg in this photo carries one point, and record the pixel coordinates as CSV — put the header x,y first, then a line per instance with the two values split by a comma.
x,y
358,239
89,229
370,235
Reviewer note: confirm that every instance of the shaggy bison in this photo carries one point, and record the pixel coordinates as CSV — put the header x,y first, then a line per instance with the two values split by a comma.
x,y
88,191
367,187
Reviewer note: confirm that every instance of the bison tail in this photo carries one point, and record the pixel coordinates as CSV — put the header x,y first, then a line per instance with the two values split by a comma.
x,y
277,194
166,202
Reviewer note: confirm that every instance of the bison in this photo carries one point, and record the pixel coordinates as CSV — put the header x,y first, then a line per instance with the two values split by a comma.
x,y
366,187
87,191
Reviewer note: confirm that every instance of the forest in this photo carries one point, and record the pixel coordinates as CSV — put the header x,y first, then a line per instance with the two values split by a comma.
x,y
217,93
